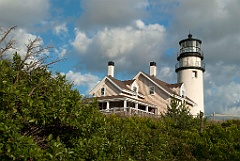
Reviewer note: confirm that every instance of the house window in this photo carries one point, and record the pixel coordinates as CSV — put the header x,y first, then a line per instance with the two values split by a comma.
x,y
183,93
151,90
135,91
194,74
102,91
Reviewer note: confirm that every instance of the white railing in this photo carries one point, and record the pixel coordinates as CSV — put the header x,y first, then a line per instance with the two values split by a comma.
x,y
127,111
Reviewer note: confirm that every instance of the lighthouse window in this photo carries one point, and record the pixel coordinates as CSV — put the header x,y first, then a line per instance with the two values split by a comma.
x,y
189,43
183,44
194,74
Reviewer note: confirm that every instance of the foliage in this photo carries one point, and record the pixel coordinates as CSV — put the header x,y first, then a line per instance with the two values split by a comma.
x,y
178,115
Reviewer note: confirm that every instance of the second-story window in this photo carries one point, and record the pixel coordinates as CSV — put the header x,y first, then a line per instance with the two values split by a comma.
x,y
102,91
151,90
134,91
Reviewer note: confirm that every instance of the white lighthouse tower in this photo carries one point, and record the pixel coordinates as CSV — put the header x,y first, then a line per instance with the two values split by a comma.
x,y
190,70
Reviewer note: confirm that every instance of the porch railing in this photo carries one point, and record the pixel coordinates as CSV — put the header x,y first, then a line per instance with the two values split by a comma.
x,y
127,111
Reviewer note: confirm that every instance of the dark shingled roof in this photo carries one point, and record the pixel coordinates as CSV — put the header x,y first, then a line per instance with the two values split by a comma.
x,y
123,84
166,86
119,83
128,82
175,85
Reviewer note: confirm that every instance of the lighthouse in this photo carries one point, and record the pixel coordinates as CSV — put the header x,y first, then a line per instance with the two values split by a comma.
x,y
190,69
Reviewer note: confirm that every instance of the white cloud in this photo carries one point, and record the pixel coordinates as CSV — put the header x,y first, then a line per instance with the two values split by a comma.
x,y
224,99
166,74
78,79
221,73
23,12
60,29
129,47
140,24
61,52
81,41
222,86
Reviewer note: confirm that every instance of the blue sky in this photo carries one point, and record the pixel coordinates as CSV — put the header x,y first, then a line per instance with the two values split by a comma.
x,y
89,33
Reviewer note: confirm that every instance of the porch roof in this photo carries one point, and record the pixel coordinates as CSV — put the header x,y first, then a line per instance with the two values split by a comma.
x,y
122,98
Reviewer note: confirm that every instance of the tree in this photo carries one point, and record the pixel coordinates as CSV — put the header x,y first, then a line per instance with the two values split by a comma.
x,y
5,44
38,110
178,114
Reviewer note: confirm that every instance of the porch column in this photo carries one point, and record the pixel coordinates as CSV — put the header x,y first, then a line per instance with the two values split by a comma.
x,y
124,105
146,109
107,107
136,105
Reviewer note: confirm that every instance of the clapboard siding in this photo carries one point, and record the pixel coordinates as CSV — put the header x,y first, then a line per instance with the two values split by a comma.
x,y
110,89
159,98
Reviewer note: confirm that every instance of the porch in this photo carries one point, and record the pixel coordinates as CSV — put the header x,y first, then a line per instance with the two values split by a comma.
x,y
124,104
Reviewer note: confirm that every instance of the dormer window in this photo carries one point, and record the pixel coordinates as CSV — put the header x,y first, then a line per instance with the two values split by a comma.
x,y
102,91
151,90
135,90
